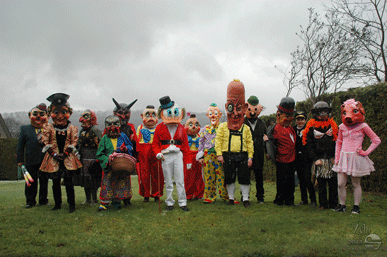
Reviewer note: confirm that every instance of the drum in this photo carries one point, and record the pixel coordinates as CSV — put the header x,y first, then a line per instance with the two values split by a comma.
x,y
122,164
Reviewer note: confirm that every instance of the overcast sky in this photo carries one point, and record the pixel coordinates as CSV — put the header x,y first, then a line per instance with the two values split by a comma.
x,y
190,50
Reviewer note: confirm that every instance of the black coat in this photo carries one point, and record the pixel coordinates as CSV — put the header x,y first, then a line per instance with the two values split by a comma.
x,y
320,148
300,148
29,145
257,134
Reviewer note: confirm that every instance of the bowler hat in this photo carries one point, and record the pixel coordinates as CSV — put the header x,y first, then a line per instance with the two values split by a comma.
x,y
286,105
253,100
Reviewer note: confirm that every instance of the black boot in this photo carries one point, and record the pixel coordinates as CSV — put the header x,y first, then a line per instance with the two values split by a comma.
x,y
72,209
56,207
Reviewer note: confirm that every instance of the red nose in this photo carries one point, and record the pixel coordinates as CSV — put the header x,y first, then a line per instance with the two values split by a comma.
x,y
348,120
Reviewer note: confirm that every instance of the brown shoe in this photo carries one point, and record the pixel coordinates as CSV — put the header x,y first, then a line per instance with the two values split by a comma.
x,y
230,202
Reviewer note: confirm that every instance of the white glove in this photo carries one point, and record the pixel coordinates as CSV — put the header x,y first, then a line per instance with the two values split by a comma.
x,y
159,156
199,155
189,166
173,149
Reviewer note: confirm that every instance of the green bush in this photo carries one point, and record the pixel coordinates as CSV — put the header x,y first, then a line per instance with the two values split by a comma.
x,y
8,166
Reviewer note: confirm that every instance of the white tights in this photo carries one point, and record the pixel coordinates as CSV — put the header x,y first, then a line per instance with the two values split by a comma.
x,y
245,189
342,181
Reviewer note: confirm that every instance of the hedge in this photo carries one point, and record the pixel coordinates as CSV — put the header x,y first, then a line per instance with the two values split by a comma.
x,y
374,100
8,166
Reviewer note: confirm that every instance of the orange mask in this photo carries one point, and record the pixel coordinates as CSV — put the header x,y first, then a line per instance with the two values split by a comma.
x,y
60,115
37,117
149,118
192,126
214,114
235,105
253,111
172,115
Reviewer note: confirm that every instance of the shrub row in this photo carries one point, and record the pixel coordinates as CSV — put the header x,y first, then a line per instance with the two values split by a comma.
x,y
374,100
8,166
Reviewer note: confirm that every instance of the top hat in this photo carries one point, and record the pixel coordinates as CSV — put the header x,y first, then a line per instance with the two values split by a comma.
x,y
253,100
58,99
165,102
286,105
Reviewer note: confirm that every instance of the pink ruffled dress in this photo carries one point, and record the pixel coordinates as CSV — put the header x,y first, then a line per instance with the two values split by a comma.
x,y
349,142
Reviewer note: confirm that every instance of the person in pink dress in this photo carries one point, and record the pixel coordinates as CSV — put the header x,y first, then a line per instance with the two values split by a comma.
x,y
350,158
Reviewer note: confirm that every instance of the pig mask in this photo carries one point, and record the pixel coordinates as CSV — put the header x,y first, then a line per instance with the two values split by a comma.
x,y
352,112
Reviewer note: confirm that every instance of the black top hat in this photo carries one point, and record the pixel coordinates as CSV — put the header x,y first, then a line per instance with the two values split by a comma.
x,y
165,102
286,105
58,99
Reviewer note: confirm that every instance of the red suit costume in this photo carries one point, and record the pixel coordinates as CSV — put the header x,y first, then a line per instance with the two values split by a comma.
x,y
193,179
149,171
171,146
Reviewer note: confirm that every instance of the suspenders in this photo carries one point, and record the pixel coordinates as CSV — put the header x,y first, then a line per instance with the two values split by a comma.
x,y
236,133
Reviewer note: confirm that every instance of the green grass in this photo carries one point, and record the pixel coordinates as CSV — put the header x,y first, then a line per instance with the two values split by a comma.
x,y
206,230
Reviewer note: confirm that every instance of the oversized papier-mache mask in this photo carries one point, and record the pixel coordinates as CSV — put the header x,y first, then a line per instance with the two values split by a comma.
x,y
38,115
235,105
214,114
113,126
88,119
60,110
149,117
254,108
192,125
321,111
122,111
352,112
170,112
285,111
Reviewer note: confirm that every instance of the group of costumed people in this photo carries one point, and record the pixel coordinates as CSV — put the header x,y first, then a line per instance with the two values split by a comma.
x,y
202,162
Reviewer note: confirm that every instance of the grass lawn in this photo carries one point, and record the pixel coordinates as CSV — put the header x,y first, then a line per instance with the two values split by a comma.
x,y
206,230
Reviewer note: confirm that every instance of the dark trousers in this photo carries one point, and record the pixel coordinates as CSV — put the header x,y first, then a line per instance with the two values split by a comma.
x,y
304,175
32,190
257,167
235,164
56,189
322,192
285,183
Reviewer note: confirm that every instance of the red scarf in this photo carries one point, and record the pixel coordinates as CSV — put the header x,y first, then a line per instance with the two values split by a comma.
x,y
320,124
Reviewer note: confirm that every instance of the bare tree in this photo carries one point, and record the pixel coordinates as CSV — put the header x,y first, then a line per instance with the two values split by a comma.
x,y
327,58
291,75
13,126
366,22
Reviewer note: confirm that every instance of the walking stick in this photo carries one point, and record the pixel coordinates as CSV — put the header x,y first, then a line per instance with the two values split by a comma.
x,y
158,183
